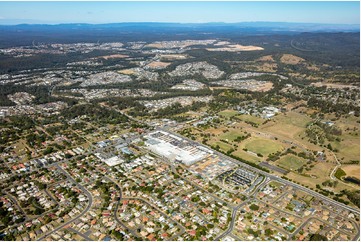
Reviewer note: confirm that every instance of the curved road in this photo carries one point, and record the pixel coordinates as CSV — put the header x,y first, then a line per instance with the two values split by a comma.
x,y
273,177
77,217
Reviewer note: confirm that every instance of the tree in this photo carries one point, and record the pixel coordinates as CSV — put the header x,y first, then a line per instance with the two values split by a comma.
x,y
318,237
254,207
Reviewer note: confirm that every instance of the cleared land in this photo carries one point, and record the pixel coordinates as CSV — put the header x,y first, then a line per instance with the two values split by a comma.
x,y
262,146
332,85
352,170
223,146
127,72
289,124
266,58
291,162
236,48
231,135
250,118
228,113
244,155
291,59
158,64
116,56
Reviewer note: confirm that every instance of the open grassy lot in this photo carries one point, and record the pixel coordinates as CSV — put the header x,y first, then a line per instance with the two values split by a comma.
x,y
231,135
228,113
275,184
250,118
223,146
291,162
262,146
352,170
244,155
289,124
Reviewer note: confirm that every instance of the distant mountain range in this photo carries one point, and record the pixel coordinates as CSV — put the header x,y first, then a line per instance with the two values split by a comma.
x,y
26,34
215,26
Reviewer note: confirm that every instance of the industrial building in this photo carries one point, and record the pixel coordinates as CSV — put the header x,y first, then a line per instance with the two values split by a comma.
x,y
175,148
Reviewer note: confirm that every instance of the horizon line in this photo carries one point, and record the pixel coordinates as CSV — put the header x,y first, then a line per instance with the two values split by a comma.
x,y
165,22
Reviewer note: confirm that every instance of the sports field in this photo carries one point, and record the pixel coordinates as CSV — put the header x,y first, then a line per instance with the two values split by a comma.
x,y
223,146
228,113
250,118
262,146
291,162
352,170
231,135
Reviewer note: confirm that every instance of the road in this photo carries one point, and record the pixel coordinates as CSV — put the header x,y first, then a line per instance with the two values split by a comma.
x,y
273,177
270,176
315,218
160,211
233,221
16,203
90,197
332,175
79,233
235,210
118,203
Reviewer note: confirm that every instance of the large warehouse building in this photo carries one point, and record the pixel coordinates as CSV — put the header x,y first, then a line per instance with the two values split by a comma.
x,y
175,148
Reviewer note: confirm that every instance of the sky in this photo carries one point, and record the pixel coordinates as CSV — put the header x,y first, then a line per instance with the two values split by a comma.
x,y
342,12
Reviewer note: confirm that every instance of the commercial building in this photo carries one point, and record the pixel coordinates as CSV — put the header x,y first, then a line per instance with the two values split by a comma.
x,y
175,148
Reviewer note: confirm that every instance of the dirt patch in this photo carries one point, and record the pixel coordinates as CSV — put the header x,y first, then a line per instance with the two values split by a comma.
x,y
222,43
173,57
268,58
236,48
352,170
158,65
116,56
267,67
127,72
291,59
264,87
332,85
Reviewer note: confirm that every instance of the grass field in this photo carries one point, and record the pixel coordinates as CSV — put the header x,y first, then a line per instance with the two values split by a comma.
x,y
262,146
275,184
289,125
223,146
231,135
228,113
250,118
244,155
352,170
291,162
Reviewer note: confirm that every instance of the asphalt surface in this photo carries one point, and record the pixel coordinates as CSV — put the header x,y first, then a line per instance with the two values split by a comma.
x,y
90,202
273,177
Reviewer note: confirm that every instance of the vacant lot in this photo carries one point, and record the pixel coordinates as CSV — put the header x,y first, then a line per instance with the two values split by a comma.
x,y
116,56
236,48
352,170
158,64
250,118
291,162
266,58
289,124
127,72
228,113
262,146
291,59
231,135
246,156
223,146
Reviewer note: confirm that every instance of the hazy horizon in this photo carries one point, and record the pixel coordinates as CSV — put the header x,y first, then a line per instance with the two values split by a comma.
x,y
179,12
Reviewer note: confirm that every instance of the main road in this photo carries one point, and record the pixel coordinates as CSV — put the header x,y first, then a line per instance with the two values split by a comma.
x,y
266,174
273,177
